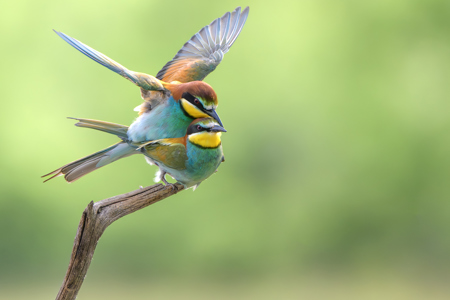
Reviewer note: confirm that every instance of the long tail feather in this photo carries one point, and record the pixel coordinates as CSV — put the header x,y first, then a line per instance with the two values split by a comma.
x,y
112,128
85,165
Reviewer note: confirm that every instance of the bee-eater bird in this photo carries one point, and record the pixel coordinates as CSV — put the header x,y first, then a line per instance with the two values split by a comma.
x,y
177,95
189,159
172,99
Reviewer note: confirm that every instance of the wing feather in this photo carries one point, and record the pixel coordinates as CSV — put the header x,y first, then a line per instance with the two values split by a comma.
x,y
145,81
170,152
204,51
98,57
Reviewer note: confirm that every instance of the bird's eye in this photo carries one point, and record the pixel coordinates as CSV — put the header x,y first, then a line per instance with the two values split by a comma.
x,y
196,101
199,127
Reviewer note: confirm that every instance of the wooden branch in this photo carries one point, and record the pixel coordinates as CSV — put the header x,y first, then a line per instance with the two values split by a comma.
x,y
95,219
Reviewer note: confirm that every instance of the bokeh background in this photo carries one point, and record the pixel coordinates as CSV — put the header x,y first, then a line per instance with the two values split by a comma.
x,y
337,176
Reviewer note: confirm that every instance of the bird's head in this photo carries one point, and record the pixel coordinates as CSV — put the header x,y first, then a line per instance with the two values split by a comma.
x,y
205,133
197,99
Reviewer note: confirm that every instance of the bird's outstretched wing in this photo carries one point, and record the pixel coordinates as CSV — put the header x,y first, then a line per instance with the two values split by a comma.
x,y
171,152
144,81
205,50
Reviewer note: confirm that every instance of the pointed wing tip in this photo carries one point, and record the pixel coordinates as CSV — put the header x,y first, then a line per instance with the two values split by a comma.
x,y
65,37
240,8
246,11
60,34
76,124
243,13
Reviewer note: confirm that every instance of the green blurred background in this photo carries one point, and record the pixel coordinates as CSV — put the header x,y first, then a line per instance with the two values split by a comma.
x,y
336,181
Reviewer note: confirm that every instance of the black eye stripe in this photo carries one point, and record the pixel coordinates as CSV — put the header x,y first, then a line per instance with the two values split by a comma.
x,y
188,97
194,128
193,100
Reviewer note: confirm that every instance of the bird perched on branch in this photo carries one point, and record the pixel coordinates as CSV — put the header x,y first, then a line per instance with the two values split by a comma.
x,y
172,100
189,159
176,96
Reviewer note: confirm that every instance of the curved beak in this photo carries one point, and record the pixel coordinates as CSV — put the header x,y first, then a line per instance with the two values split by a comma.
x,y
214,115
217,128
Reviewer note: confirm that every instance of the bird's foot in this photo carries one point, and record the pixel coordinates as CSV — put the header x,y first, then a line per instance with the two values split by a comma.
x,y
172,186
166,183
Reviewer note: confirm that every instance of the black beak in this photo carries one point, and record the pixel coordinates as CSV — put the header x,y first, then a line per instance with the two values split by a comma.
x,y
217,128
213,114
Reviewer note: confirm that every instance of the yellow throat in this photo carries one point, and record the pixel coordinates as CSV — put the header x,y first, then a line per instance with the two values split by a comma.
x,y
192,110
206,139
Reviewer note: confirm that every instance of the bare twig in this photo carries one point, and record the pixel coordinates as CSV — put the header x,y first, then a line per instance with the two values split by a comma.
x,y
95,219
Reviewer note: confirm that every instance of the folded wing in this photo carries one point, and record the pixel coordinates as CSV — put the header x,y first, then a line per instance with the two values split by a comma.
x,y
171,152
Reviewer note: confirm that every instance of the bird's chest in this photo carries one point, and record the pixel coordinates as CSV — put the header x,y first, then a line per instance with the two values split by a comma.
x,y
166,120
202,162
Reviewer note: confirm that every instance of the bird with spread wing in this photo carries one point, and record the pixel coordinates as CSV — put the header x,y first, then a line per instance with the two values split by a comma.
x,y
172,99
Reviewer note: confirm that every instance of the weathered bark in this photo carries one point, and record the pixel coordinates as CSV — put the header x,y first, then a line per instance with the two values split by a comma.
x,y
95,219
